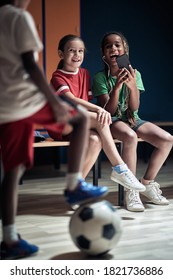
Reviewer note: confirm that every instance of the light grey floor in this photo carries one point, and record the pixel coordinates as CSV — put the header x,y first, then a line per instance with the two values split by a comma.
x,y
43,218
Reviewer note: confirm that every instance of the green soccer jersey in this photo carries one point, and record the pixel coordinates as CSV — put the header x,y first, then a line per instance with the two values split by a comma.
x,y
103,85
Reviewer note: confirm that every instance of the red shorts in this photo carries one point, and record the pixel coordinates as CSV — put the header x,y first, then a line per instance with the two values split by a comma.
x,y
16,138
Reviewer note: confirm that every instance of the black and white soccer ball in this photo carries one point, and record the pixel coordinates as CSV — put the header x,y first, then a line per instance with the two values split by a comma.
x,y
95,228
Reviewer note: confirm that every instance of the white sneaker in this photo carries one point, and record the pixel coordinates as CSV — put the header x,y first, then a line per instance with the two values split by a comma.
x,y
133,201
127,180
154,194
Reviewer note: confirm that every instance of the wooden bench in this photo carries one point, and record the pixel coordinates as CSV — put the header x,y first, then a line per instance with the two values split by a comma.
x,y
97,165
51,143
96,168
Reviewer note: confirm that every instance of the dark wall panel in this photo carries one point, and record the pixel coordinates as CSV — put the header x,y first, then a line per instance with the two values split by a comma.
x,y
148,28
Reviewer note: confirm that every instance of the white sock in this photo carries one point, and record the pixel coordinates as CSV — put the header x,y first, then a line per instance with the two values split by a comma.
x,y
120,168
72,180
10,234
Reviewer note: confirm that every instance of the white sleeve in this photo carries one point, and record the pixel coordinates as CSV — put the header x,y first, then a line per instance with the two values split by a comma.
x,y
26,35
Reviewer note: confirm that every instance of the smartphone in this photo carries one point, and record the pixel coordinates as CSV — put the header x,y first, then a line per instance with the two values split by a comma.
x,y
123,61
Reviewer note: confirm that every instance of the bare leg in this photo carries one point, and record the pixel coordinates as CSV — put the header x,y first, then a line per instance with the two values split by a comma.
x,y
93,151
12,247
124,133
78,143
107,140
87,151
94,145
121,174
77,190
162,141
10,194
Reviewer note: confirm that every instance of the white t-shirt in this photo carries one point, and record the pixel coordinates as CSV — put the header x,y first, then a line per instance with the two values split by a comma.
x,y
19,96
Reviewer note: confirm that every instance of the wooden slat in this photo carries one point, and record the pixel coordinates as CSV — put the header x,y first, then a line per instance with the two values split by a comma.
x,y
51,144
162,124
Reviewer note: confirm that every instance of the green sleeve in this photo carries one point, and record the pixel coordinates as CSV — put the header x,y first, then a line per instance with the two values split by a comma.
x,y
99,86
139,82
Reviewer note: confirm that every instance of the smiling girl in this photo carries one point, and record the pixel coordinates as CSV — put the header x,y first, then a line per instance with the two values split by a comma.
x,y
73,81
118,92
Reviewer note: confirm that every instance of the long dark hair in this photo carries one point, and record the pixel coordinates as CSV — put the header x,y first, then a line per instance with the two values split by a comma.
x,y
123,38
103,42
129,113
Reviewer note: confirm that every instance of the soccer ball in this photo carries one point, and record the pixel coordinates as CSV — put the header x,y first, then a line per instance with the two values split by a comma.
x,y
95,228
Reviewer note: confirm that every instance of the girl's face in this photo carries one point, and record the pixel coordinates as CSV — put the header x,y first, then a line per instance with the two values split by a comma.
x,y
113,47
73,55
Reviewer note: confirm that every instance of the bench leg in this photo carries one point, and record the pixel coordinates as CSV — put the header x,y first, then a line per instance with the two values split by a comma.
x,y
120,195
96,175
1,169
120,188
96,172
1,177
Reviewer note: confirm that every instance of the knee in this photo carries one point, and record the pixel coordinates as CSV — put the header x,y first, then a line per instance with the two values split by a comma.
x,y
131,138
166,142
169,139
95,142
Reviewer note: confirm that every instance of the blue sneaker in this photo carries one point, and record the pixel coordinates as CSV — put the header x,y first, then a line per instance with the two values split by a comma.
x,y
20,249
84,192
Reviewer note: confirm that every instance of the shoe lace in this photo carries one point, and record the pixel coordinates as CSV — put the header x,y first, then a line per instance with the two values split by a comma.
x,y
156,187
134,196
131,177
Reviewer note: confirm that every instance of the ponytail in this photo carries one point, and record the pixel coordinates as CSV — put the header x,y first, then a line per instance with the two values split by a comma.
x,y
60,64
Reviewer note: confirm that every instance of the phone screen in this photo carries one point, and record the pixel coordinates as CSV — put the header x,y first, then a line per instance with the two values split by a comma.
x,y
123,61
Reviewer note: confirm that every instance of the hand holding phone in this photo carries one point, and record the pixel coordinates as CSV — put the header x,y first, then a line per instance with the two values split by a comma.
x,y
123,61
